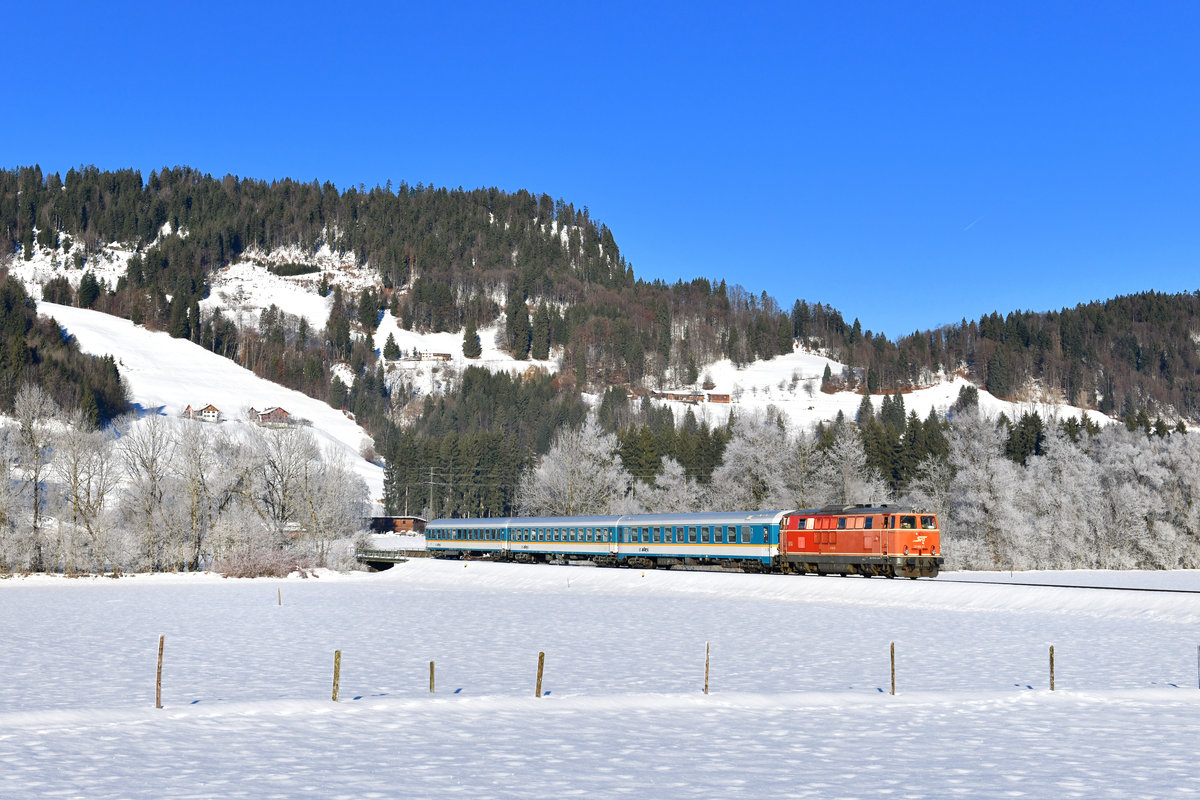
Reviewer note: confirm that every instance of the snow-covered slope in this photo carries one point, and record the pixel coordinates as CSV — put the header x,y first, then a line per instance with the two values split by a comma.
x,y
791,383
172,374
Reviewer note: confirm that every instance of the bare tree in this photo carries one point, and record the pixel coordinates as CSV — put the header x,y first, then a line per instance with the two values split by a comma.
x,y
86,467
147,449
16,543
35,412
283,456
210,468
334,501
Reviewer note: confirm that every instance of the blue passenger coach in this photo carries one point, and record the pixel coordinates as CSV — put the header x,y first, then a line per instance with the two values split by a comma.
x,y
744,539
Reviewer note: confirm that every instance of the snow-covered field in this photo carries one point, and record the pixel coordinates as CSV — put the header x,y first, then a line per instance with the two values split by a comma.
x,y
800,702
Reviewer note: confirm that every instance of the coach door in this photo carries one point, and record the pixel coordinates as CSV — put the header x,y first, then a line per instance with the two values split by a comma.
x,y
614,536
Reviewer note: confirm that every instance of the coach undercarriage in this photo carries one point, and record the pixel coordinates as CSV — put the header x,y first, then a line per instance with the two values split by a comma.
x,y
806,563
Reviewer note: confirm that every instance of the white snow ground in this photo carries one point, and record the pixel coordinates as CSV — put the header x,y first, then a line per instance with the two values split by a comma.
x,y
175,373
799,703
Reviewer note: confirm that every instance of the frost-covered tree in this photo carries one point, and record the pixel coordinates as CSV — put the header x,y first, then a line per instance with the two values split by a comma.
x,y
36,414
88,471
580,474
929,489
208,470
16,541
672,491
333,501
985,518
147,448
850,479
749,475
1061,489
282,456
806,480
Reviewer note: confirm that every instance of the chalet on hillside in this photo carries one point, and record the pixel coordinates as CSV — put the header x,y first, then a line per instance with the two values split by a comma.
x,y
271,416
209,413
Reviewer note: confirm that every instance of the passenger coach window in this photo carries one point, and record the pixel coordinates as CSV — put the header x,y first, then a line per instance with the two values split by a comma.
x,y
704,534
692,534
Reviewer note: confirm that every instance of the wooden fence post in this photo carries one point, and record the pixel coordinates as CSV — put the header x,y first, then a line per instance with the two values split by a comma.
x,y
1052,668
279,595
706,644
541,664
431,677
158,682
893,669
337,672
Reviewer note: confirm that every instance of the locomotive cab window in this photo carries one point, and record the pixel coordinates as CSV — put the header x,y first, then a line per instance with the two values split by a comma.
x,y
927,523
908,522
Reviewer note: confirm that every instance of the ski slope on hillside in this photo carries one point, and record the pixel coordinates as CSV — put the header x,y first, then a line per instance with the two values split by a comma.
x,y
800,702
171,374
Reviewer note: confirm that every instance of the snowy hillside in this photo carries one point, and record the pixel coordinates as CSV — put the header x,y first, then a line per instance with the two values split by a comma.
x,y
790,383
799,702
171,374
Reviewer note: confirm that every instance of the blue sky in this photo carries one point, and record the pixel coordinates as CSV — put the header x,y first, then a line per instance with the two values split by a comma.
x,y
910,164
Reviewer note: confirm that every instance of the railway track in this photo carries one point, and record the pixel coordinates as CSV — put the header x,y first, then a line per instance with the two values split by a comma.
x,y
944,579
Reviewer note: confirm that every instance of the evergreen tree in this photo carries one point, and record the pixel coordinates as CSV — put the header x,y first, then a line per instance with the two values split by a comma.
x,y
540,334
471,345
517,326
337,393
866,410
391,351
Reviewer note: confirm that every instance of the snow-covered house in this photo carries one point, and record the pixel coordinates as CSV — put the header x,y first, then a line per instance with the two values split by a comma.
x,y
271,416
209,413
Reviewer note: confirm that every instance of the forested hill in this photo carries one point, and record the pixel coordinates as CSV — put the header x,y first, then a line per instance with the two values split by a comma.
x,y
449,259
